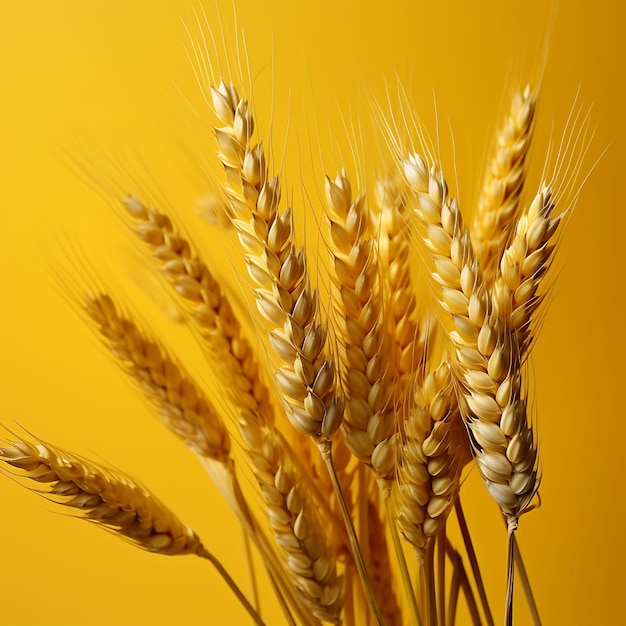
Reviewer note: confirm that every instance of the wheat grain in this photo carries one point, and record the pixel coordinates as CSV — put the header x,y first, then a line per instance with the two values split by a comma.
x,y
498,205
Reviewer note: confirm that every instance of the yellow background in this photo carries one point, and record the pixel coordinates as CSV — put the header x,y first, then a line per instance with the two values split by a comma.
x,y
90,81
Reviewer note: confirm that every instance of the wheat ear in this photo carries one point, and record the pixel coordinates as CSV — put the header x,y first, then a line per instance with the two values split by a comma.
x,y
306,376
498,205
103,496
112,501
369,426
462,290
210,309
434,452
394,238
487,360
182,405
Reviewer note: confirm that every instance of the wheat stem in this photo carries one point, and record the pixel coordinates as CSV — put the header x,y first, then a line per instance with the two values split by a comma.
x,y
525,581
441,576
459,571
428,564
379,557
455,588
205,554
254,588
401,560
326,451
473,559
510,575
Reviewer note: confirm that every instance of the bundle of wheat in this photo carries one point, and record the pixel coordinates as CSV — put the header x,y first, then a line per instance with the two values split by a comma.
x,y
357,426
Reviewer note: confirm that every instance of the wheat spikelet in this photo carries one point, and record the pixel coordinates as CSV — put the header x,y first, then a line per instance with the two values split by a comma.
x,y
369,425
434,452
183,406
309,550
103,496
209,307
306,376
498,205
